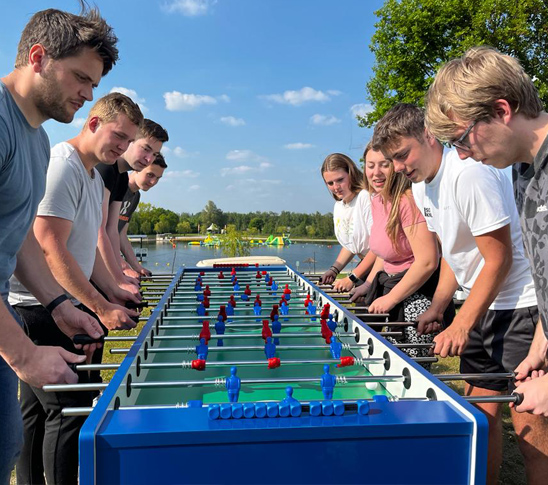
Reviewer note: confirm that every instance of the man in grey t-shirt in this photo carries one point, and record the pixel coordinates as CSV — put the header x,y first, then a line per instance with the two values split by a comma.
x,y
489,109
60,59
67,227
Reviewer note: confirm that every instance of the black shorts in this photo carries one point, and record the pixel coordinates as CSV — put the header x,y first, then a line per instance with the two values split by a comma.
x,y
498,343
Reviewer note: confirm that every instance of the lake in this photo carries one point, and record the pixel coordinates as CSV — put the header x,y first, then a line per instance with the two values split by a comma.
x,y
162,257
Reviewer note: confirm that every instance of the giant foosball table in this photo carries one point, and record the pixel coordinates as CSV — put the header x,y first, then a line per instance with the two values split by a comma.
x,y
220,386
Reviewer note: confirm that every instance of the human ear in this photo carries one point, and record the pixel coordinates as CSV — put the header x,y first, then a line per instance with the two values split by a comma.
x,y
37,57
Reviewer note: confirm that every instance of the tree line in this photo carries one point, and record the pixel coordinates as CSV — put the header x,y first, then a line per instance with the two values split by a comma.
x,y
149,219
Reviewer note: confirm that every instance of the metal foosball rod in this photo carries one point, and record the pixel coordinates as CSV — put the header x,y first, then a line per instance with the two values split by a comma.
x,y
250,317
231,325
249,304
239,348
221,382
245,335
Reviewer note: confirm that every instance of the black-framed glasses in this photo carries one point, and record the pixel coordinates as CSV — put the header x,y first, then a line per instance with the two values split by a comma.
x,y
460,142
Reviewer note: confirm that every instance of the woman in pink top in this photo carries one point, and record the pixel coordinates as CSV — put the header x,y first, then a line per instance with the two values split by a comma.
x,y
404,277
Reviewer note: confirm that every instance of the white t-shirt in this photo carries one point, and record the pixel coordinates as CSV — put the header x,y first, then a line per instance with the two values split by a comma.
x,y
353,223
74,195
468,199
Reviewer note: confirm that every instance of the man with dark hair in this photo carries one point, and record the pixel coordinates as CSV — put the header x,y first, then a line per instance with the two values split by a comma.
x,y
47,83
67,227
143,180
140,154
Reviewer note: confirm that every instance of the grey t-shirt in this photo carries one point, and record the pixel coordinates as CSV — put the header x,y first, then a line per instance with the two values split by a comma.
x,y
24,158
74,195
533,196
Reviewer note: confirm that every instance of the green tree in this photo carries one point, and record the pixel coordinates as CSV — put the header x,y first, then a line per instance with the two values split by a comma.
x,y
256,225
414,37
183,227
233,242
211,214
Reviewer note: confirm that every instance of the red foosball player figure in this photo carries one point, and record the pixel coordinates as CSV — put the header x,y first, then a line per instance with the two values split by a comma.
x,y
206,302
222,312
221,276
207,291
274,312
205,333
287,292
232,301
233,272
266,330
258,275
325,311
258,301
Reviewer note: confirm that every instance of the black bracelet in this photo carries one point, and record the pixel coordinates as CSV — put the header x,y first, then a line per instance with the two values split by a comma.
x,y
55,303
337,270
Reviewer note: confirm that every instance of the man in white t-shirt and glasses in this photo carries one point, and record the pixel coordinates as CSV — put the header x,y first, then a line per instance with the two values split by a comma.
x,y
471,208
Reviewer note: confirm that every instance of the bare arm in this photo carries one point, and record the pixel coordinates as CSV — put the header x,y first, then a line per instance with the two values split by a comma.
x,y
107,253
496,249
344,257
53,234
32,270
127,249
33,364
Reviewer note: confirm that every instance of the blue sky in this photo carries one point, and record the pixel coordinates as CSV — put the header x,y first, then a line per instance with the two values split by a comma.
x,y
254,93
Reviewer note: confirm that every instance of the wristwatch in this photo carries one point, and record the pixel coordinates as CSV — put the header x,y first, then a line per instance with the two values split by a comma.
x,y
352,277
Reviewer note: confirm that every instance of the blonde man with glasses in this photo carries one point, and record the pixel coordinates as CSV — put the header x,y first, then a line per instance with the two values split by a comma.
x,y
489,109
471,209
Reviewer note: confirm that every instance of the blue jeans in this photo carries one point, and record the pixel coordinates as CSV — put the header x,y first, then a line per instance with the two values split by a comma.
x,y
11,425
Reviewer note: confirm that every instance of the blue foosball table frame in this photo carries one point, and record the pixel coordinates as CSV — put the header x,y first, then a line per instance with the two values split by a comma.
x,y
429,435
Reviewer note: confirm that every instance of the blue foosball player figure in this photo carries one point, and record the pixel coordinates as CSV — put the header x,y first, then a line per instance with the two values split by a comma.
x,y
276,328
335,348
236,286
332,324
233,385
274,287
220,329
312,311
202,349
257,311
201,310
269,348
284,309
230,311
328,382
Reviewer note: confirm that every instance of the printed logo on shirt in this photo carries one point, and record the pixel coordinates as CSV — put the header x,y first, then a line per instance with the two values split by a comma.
x,y
427,212
125,207
542,208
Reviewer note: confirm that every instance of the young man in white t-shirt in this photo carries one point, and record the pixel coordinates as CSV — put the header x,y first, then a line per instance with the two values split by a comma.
x,y
67,228
471,209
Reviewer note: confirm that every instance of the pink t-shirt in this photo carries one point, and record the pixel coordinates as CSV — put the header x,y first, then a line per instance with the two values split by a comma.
x,y
380,243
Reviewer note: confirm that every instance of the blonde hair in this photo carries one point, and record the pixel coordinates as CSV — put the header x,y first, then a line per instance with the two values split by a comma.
x,y
396,187
465,89
339,161
110,106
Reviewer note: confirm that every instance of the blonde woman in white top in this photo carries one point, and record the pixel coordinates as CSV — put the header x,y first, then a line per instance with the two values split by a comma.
x,y
351,217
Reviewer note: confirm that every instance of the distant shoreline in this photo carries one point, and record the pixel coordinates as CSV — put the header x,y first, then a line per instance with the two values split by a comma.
x,y
199,237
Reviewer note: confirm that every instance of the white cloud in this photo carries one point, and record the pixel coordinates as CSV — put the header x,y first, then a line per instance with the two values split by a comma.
x,y
131,93
334,92
264,165
298,146
240,169
189,8
175,174
360,109
176,101
78,123
194,187
231,121
324,120
244,156
304,95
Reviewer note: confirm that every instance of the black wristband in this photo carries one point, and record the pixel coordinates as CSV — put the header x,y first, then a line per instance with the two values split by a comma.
x,y
55,303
